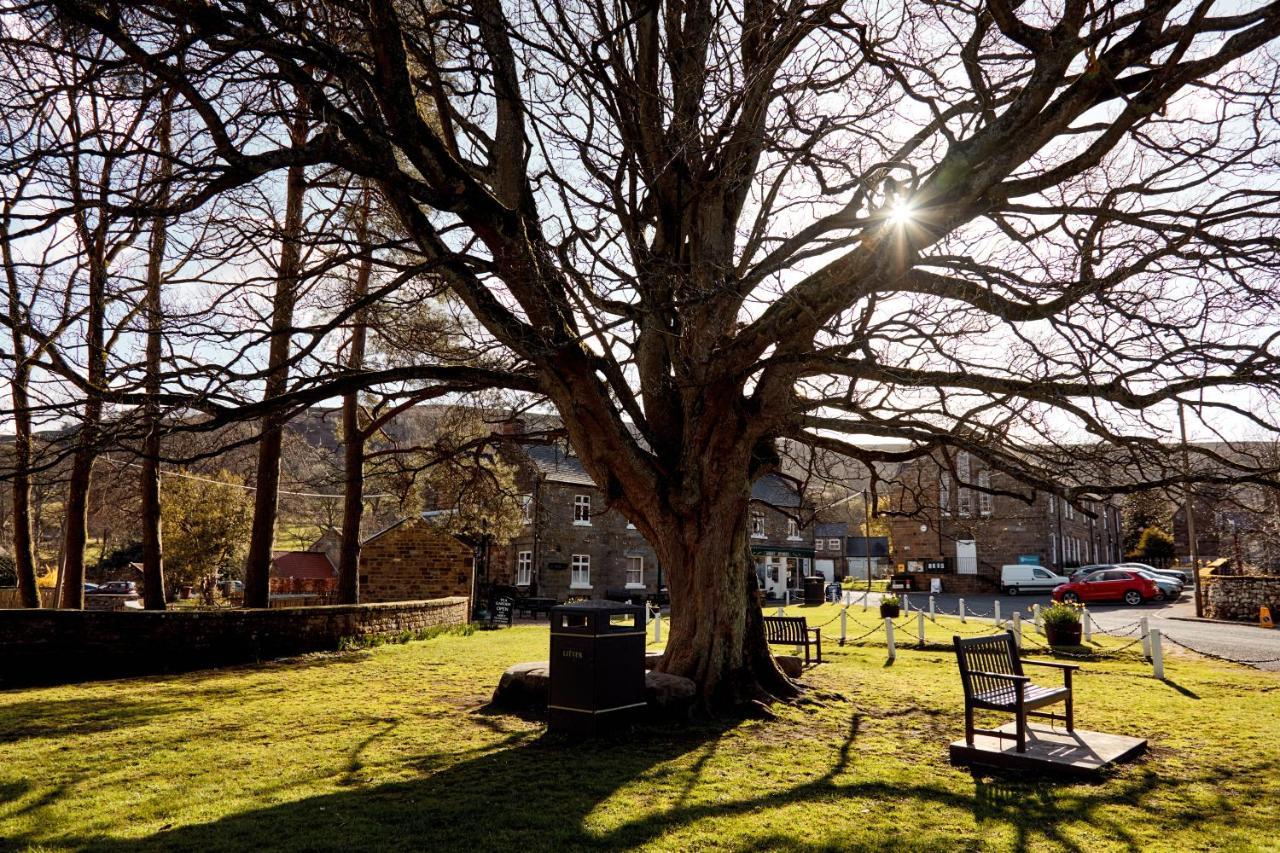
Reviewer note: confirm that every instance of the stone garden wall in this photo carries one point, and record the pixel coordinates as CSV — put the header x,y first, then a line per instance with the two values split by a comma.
x,y
1239,597
61,645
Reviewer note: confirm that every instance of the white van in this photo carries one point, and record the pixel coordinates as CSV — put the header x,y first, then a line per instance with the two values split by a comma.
x,y
1025,578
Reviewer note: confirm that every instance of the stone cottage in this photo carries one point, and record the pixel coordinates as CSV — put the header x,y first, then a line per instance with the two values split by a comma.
x,y
415,559
951,524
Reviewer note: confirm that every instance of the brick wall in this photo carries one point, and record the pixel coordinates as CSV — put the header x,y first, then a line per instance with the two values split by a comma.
x,y
415,560
61,645
1240,597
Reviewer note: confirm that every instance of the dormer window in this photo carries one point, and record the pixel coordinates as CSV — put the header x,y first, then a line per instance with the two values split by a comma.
x,y
793,529
757,525
582,510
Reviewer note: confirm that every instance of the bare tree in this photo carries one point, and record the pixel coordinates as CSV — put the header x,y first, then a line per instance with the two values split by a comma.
x,y
703,229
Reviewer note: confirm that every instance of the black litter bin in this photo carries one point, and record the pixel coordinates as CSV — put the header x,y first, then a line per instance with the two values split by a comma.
x,y
814,589
597,666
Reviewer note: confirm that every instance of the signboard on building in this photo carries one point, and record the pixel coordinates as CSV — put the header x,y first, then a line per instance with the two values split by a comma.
x,y
1029,559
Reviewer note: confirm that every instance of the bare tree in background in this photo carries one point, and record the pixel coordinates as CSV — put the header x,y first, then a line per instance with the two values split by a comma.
x,y
704,229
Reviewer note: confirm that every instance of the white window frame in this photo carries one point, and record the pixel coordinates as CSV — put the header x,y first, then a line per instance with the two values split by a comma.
x,y
582,510
757,525
1053,504
833,544
1068,510
944,493
524,568
793,529
526,509
580,571
964,502
1053,548
635,563
986,504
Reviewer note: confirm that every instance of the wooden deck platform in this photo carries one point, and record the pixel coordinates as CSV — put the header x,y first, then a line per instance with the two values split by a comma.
x,y
1050,750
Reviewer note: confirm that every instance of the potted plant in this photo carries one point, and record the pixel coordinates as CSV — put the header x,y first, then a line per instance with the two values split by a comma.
x,y
889,606
1062,623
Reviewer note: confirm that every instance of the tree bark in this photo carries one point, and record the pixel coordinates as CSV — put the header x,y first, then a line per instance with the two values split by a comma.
x,y
24,557
257,576
152,540
353,436
717,629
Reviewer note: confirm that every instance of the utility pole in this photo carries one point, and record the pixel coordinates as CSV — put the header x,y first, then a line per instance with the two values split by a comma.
x,y
1189,507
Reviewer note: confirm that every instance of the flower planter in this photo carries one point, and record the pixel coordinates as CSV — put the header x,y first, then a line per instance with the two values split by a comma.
x,y
1062,635
889,611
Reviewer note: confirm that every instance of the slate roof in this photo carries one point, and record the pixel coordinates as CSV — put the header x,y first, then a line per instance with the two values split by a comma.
x,y
776,491
830,529
302,564
557,467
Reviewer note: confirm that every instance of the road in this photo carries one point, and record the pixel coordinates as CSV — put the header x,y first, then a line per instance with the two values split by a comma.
x,y
1175,620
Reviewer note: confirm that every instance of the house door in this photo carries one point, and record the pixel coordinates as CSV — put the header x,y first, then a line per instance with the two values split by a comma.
x,y
966,557
775,576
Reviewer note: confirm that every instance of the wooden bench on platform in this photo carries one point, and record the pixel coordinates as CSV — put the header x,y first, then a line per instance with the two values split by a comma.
x,y
991,673
793,631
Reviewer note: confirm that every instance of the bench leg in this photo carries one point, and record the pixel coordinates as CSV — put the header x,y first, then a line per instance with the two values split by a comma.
x,y
1071,714
1022,730
968,724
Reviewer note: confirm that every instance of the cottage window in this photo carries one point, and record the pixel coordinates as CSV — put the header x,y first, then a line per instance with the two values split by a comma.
x,y
1053,504
757,525
964,502
580,572
1068,510
526,509
985,502
582,509
1053,548
944,493
635,571
833,544
793,529
524,568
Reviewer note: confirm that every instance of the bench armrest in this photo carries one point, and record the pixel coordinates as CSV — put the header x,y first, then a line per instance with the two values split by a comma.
x,y
1052,663
1014,678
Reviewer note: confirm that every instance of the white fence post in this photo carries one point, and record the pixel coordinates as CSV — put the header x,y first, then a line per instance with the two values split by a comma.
x,y
1035,615
657,626
888,631
1146,637
998,620
962,610
920,626
1017,629
932,607
865,595
844,624
780,612
1157,654
906,603
1088,625
786,597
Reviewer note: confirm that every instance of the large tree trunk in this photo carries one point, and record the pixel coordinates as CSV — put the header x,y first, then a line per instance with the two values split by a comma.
x,y
257,575
152,543
353,436
717,631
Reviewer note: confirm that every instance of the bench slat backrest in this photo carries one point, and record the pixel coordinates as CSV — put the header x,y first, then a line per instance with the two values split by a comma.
x,y
998,654
785,629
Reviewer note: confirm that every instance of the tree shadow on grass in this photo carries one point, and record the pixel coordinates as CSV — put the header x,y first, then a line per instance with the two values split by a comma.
x,y
536,792
56,718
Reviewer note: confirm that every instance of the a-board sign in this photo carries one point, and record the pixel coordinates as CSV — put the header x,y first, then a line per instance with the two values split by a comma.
x,y
504,607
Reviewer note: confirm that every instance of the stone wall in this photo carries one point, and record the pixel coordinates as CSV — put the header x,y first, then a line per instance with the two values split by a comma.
x,y
1239,597
415,560
62,645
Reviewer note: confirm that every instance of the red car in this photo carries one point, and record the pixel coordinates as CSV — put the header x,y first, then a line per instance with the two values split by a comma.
x,y
1111,585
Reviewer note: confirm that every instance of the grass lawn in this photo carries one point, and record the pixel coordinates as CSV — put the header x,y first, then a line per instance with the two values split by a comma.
x,y
388,748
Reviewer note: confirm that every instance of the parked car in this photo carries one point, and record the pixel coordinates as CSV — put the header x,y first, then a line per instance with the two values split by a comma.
x,y
90,588
1182,577
1169,588
1016,578
117,588
1084,571
1109,585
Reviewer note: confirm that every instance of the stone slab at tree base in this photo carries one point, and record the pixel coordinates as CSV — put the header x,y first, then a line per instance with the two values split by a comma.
x,y
1052,751
525,687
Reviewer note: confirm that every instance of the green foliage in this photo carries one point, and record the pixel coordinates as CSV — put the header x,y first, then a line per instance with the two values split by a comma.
x,y
205,526
373,642
1141,510
891,600
119,558
8,571
1155,546
1062,613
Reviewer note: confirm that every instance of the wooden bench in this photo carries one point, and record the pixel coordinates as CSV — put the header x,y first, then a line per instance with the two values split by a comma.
x,y
534,606
793,631
991,673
